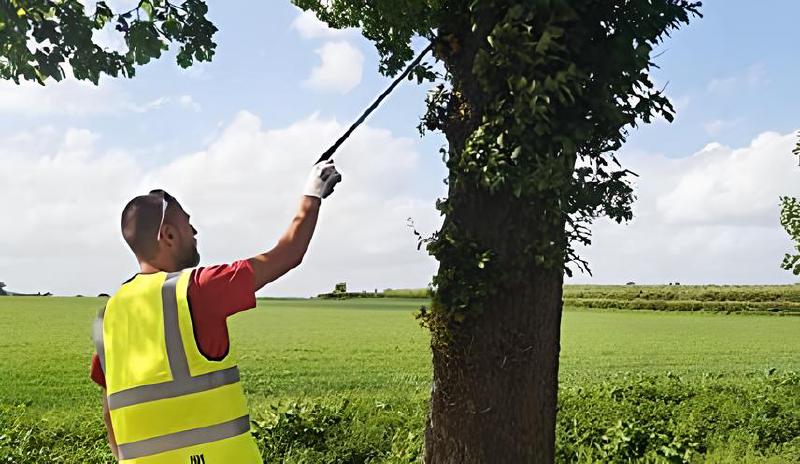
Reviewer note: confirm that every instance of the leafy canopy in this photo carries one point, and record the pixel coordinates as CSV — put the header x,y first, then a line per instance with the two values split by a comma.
x,y
38,38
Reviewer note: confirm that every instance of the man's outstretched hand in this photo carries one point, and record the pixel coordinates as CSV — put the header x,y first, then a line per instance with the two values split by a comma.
x,y
322,179
293,244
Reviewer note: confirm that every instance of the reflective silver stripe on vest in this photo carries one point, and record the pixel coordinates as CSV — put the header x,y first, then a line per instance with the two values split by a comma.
x,y
160,391
178,364
182,382
184,439
97,335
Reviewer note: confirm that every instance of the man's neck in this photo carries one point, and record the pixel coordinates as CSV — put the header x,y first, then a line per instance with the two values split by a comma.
x,y
152,268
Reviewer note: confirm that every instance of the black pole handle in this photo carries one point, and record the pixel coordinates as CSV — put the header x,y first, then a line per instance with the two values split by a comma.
x,y
330,151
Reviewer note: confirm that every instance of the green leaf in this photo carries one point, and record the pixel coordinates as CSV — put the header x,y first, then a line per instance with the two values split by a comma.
x,y
171,27
147,7
63,32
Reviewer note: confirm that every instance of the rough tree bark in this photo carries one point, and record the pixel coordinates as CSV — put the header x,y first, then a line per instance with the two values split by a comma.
x,y
497,370
500,375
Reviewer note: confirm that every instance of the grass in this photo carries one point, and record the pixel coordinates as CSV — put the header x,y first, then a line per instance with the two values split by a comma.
x,y
359,372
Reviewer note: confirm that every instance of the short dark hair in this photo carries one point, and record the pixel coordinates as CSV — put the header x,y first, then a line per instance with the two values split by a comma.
x,y
141,219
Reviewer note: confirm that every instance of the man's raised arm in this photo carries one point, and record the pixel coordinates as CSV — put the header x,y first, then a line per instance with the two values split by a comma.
x,y
293,244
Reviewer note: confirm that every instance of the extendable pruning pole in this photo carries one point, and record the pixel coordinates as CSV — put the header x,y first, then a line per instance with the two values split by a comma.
x,y
330,151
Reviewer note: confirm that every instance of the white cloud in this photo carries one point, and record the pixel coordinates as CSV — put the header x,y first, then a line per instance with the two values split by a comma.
x,y
753,77
110,39
183,101
68,97
60,209
72,97
186,101
310,27
151,105
340,70
709,218
724,186
341,66
65,198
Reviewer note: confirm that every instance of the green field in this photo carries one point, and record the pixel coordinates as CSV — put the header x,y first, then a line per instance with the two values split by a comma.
x,y
346,381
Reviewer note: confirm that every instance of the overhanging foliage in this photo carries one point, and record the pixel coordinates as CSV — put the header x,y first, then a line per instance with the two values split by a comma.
x,y
38,38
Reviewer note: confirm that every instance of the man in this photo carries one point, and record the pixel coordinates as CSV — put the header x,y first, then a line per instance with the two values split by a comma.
x,y
171,391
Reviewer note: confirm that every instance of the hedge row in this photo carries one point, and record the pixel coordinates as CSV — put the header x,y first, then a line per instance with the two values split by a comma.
x,y
685,305
739,293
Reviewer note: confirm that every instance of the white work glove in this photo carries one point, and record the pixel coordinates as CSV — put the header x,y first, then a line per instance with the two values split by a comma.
x,y
322,179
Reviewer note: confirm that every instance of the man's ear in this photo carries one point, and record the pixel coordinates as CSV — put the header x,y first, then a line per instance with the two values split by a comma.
x,y
168,233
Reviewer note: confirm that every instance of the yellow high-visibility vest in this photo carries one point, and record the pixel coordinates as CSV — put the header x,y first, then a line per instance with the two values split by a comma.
x,y
168,403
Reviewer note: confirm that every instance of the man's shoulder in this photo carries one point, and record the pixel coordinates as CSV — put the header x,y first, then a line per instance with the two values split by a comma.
x,y
223,289
221,273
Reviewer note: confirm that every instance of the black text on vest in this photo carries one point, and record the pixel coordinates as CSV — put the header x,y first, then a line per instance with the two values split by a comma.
x,y
198,459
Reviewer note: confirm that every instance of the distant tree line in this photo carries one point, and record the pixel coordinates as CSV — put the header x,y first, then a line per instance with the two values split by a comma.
x,y
340,292
4,292
790,220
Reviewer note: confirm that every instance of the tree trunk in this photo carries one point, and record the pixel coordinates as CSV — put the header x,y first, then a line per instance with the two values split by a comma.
x,y
496,377
496,372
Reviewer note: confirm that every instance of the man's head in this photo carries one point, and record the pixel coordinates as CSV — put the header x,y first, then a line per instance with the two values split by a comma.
x,y
158,231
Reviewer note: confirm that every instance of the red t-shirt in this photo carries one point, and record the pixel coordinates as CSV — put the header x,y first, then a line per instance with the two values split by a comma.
x,y
215,293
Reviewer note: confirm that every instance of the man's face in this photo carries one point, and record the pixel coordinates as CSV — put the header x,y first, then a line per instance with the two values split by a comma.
x,y
186,254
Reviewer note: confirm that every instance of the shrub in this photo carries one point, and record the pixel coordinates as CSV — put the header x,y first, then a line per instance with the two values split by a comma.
x,y
628,418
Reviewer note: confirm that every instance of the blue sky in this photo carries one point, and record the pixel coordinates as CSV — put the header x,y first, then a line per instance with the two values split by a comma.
x,y
259,67
733,38
708,188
